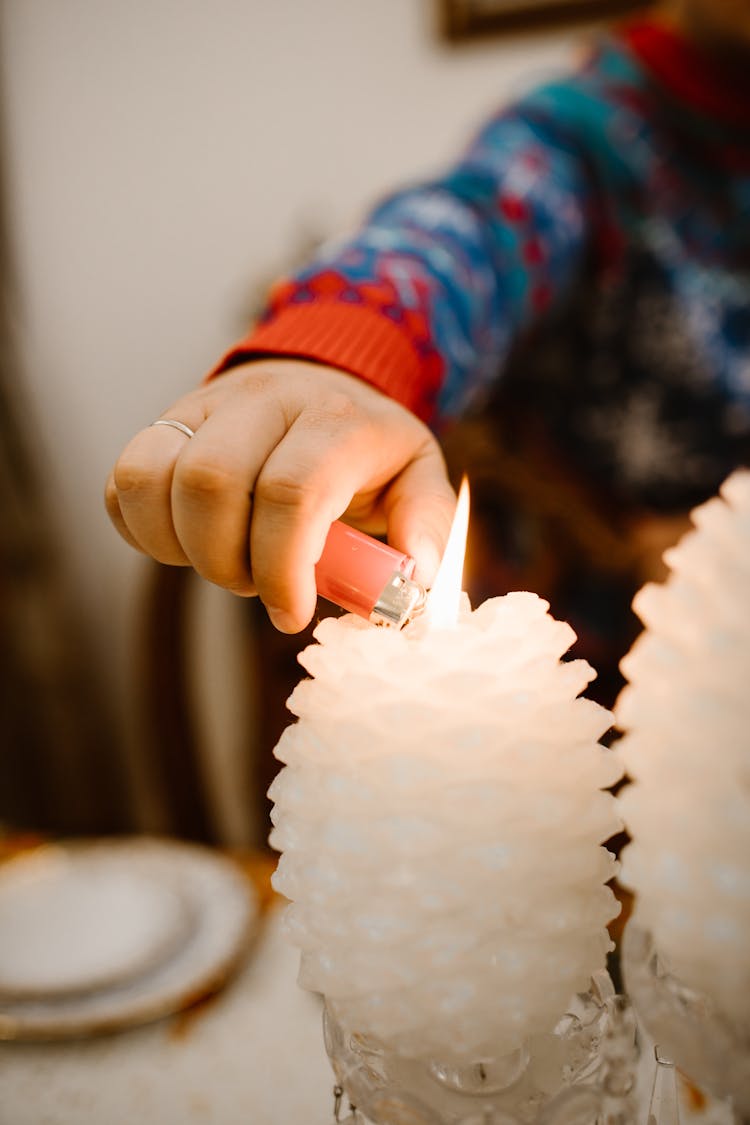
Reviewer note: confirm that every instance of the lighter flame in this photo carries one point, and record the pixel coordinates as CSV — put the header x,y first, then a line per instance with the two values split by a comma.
x,y
445,595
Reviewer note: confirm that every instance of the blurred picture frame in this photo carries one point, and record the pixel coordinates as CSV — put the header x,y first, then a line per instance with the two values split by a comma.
x,y
470,19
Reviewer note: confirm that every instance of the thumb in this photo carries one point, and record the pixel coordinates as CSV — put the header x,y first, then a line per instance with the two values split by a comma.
x,y
419,506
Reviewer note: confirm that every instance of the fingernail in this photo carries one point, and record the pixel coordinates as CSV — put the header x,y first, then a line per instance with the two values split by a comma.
x,y
282,620
427,555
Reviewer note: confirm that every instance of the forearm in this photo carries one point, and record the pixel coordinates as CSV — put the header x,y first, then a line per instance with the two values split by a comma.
x,y
428,297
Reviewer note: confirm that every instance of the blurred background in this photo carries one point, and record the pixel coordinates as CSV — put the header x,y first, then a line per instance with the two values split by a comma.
x,y
162,161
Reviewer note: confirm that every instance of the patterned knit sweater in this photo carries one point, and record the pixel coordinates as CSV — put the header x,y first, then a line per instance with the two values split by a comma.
x,y
591,248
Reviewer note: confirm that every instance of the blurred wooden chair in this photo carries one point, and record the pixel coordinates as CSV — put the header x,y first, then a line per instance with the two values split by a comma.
x,y
175,736
167,731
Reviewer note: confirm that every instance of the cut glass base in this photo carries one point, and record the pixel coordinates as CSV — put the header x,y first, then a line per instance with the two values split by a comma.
x,y
686,1024
582,1072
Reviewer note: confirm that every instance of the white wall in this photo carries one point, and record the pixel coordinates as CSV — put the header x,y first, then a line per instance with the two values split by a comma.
x,y
165,155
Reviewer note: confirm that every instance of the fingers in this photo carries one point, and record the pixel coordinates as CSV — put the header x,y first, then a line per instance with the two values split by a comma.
x,y
139,496
306,483
112,504
392,466
280,451
212,502
419,507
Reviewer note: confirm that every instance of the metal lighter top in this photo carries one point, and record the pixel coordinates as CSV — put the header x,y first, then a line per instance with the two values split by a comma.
x,y
369,578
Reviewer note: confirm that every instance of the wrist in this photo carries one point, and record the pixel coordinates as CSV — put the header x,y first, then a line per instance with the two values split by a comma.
x,y
355,339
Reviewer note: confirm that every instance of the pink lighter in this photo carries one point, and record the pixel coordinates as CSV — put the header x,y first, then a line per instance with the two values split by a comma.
x,y
366,577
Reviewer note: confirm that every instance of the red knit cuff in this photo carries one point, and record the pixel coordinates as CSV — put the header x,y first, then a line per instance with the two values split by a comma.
x,y
354,338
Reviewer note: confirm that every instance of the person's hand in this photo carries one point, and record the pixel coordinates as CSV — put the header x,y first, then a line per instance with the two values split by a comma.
x,y
282,448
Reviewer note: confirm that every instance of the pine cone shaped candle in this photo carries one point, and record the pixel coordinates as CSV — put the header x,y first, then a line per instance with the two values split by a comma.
x,y
440,816
686,718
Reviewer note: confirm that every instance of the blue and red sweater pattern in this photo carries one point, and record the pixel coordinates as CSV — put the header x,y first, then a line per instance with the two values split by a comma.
x,y
592,246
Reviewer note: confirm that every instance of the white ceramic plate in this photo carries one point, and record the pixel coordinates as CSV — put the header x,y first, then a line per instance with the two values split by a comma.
x,y
98,936
74,921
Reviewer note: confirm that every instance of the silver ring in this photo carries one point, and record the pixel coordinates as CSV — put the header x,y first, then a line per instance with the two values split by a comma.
x,y
175,425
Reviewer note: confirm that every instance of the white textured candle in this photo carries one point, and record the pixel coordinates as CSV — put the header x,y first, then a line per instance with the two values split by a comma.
x,y
686,714
440,817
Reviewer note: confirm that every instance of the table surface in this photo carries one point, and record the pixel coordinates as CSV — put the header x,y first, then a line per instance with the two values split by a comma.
x,y
253,1055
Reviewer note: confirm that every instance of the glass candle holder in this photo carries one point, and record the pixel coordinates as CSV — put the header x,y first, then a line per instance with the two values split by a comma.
x,y
581,1072
689,1029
